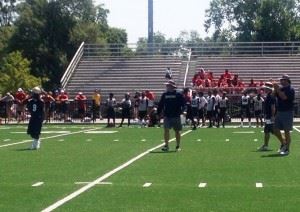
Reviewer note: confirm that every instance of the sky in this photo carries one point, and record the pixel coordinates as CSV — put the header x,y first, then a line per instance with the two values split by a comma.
x,y
170,16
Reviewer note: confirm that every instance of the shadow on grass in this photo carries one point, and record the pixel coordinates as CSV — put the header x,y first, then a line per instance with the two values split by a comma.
x,y
162,152
275,155
257,151
24,149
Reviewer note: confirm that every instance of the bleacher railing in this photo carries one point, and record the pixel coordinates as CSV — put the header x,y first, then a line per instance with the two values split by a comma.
x,y
198,49
72,66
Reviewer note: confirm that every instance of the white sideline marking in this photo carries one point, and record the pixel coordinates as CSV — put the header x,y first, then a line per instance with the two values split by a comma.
x,y
44,132
101,183
244,132
37,184
202,185
146,185
296,128
55,136
105,176
259,185
101,132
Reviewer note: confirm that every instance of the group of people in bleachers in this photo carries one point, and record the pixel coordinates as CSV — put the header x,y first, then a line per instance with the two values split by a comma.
x,y
229,82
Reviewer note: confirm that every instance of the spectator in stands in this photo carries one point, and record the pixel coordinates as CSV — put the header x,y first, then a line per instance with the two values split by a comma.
x,y
96,105
20,98
81,105
252,84
9,102
48,100
111,103
126,107
235,80
227,74
210,75
143,108
63,99
169,73
199,76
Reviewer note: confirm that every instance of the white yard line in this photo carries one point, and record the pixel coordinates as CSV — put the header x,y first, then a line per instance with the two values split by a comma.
x,y
55,136
104,177
101,183
296,128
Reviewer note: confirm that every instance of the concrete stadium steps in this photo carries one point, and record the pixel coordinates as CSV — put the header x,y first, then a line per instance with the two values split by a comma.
x,y
259,68
121,75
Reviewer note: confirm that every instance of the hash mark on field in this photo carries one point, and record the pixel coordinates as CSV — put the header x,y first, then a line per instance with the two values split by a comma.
x,y
37,184
202,185
146,185
61,140
116,140
259,185
6,140
88,140
199,140
143,140
255,140
227,140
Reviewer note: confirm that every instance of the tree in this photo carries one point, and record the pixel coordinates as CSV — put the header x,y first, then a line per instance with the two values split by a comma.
x,y
15,73
253,20
7,12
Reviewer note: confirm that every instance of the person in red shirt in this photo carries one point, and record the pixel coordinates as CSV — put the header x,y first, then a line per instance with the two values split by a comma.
x,y
199,82
81,105
151,97
48,100
227,74
20,98
210,75
235,80
252,84
63,99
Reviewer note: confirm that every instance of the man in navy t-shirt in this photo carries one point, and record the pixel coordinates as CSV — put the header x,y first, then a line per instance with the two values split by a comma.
x,y
285,112
172,105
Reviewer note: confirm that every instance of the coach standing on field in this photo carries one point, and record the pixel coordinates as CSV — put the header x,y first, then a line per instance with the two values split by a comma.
x,y
285,112
171,104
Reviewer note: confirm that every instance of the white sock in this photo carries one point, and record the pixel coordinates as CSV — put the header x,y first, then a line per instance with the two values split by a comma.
x,y
38,144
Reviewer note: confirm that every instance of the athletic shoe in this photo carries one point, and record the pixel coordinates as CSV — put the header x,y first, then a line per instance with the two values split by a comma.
x,y
263,148
194,128
282,148
284,153
165,149
178,149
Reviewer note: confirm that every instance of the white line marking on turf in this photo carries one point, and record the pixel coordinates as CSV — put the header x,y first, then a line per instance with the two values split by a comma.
x,y
146,185
55,136
6,140
44,132
37,184
116,140
202,185
105,176
101,132
101,183
61,140
255,140
297,129
244,132
143,140
199,140
259,185
227,140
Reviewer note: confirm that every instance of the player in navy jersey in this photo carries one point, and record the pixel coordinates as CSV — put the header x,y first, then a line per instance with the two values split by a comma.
x,y
223,105
269,114
35,107
126,107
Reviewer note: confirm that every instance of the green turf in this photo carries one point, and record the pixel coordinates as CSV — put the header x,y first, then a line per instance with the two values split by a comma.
x,y
230,169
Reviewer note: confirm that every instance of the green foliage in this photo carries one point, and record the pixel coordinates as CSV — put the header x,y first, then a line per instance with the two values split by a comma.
x,y
254,20
15,73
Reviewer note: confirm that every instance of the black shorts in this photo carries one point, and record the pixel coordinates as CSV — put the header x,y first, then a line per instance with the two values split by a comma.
x,y
142,114
201,113
258,113
126,113
222,112
269,128
245,112
111,113
64,107
210,114
35,126
195,112
81,111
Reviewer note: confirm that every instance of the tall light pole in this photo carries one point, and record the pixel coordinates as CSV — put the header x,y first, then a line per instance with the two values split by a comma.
x,y
150,25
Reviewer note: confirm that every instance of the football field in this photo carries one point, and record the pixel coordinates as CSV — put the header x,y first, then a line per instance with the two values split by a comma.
x,y
93,168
